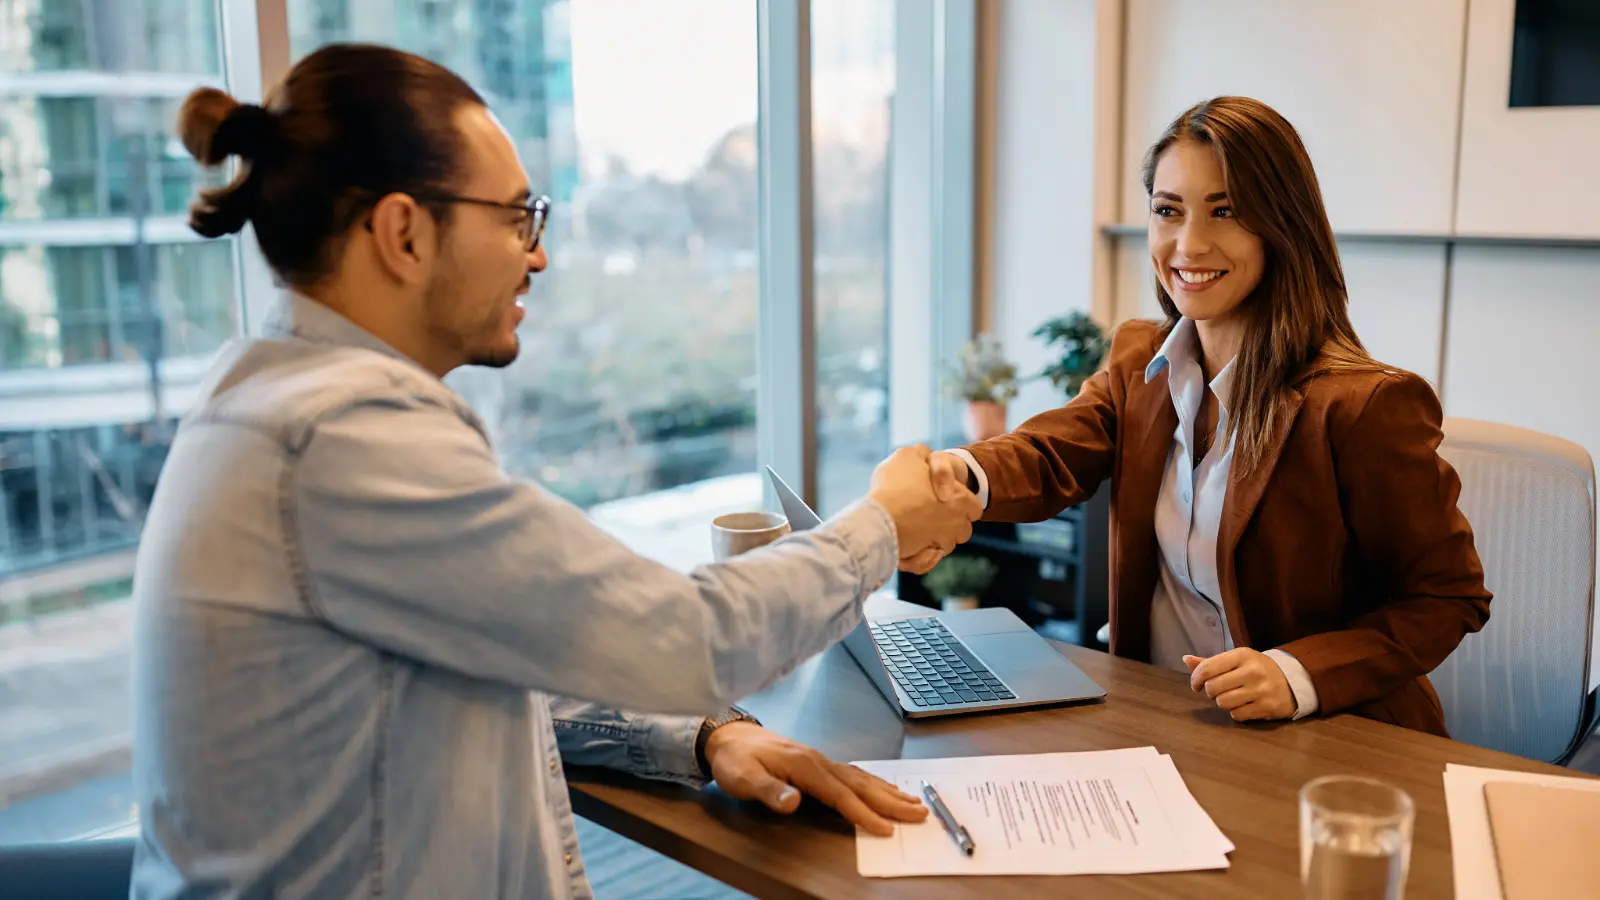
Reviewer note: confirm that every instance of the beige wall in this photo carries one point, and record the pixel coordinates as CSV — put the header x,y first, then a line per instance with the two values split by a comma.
x,y
1385,166
1041,200
1403,108
1523,171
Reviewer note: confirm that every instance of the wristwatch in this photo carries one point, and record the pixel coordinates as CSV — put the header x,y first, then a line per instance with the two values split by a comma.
x,y
712,723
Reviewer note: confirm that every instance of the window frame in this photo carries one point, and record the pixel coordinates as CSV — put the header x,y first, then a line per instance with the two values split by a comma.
x,y
786,355
255,53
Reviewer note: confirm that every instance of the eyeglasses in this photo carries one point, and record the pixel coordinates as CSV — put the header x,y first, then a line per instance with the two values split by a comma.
x,y
530,227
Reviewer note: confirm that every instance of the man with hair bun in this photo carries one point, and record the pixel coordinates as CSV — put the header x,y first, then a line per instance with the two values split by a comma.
x,y
362,652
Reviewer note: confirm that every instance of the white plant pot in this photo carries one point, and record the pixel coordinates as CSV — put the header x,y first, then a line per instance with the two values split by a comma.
x,y
958,604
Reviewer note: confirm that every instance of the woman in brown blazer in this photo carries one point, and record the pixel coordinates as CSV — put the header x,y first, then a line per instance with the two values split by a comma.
x,y
1282,524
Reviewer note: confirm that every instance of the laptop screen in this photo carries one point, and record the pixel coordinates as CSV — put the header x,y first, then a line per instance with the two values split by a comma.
x,y
801,517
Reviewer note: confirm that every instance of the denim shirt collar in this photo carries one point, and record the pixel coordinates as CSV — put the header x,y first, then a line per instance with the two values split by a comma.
x,y
295,316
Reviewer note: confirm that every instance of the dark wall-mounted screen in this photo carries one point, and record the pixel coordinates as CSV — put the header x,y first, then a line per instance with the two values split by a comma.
x,y
1555,54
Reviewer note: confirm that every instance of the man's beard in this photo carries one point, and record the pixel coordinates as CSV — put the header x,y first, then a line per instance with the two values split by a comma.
x,y
498,357
477,338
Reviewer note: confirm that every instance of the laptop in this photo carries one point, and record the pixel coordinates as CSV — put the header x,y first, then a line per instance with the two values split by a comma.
x,y
977,660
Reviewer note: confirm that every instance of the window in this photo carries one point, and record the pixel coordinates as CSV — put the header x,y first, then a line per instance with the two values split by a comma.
x,y
83,310
109,315
852,83
85,157
197,283
98,303
127,36
637,371
72,147
55,33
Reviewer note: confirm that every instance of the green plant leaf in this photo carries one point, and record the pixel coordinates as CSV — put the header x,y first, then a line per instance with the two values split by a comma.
x,y
1081,345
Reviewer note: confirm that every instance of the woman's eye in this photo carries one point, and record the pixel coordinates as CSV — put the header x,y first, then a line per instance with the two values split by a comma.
x,y
1165,211
1223,212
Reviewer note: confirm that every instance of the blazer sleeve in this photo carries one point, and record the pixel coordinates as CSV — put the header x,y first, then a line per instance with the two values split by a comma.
x,y
1058,458
1399,501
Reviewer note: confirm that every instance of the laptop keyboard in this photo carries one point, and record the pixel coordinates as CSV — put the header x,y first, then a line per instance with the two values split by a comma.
x,y
932,666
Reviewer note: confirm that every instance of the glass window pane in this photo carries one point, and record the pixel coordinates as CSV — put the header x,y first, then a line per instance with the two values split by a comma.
x,y
72,145
82,313
852,82
84,157
637,371
191,277
90,386
133,36
57,35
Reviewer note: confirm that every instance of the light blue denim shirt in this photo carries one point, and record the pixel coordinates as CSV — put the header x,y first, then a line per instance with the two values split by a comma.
x,y
362,651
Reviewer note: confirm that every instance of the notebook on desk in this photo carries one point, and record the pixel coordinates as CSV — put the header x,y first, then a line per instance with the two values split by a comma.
x,y
1544,839
978,660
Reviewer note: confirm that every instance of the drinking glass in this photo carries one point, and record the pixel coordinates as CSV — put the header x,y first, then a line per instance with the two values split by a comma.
x,y
1355,839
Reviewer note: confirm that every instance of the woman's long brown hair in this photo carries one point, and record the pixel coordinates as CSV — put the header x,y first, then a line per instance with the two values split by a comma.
x,y
1297,318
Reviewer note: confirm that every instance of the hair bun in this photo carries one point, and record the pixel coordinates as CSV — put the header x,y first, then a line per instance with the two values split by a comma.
x,y
248,132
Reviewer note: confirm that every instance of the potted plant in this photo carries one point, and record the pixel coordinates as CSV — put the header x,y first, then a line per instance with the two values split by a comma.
x,y
983,378
1082,346
958,581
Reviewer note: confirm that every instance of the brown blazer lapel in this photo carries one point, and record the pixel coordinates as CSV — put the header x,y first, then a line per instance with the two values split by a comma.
x,y
1243,496
1149,423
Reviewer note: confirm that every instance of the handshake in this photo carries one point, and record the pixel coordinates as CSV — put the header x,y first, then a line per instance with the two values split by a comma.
x,y
927,496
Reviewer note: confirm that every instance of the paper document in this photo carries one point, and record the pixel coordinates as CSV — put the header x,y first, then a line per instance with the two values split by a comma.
x,y
1105,812
1477,870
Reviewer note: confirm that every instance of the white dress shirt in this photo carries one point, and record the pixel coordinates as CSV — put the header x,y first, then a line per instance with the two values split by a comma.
x,y
1186,612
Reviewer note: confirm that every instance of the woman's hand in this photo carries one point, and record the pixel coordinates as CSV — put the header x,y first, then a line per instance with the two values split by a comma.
x,y
1245,682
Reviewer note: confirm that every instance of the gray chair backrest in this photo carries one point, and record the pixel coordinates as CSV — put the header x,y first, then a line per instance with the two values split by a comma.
x,y
1521,684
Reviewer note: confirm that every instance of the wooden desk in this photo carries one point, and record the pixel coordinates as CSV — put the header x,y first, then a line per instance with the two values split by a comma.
x,y
1246,776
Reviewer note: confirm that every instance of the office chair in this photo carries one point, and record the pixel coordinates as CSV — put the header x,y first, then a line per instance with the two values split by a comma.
x,y
1522,684
81,870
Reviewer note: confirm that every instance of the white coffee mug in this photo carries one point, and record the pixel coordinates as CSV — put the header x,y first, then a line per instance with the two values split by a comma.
x,y
736,533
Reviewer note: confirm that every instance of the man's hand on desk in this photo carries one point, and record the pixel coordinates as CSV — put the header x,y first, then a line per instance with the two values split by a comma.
x,y
751,763
1245,682
928,525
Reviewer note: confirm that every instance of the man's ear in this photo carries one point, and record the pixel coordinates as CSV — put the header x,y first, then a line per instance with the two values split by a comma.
x,y
402,237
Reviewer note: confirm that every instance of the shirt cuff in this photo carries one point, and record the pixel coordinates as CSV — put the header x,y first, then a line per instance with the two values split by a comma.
x,y
1305,693
658,747
867,532
977,472
662,748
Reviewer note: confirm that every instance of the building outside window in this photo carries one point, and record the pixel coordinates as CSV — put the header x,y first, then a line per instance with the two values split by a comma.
x,y
110,311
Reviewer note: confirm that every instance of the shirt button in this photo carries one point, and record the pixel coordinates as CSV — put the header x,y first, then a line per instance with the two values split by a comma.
x,y
553,765
1212,621
569,859
1185,496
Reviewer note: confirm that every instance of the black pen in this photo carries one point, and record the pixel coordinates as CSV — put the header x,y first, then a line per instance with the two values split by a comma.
x,y
951,826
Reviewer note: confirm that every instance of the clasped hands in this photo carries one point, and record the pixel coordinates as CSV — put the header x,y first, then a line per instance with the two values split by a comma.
x,y
928,499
